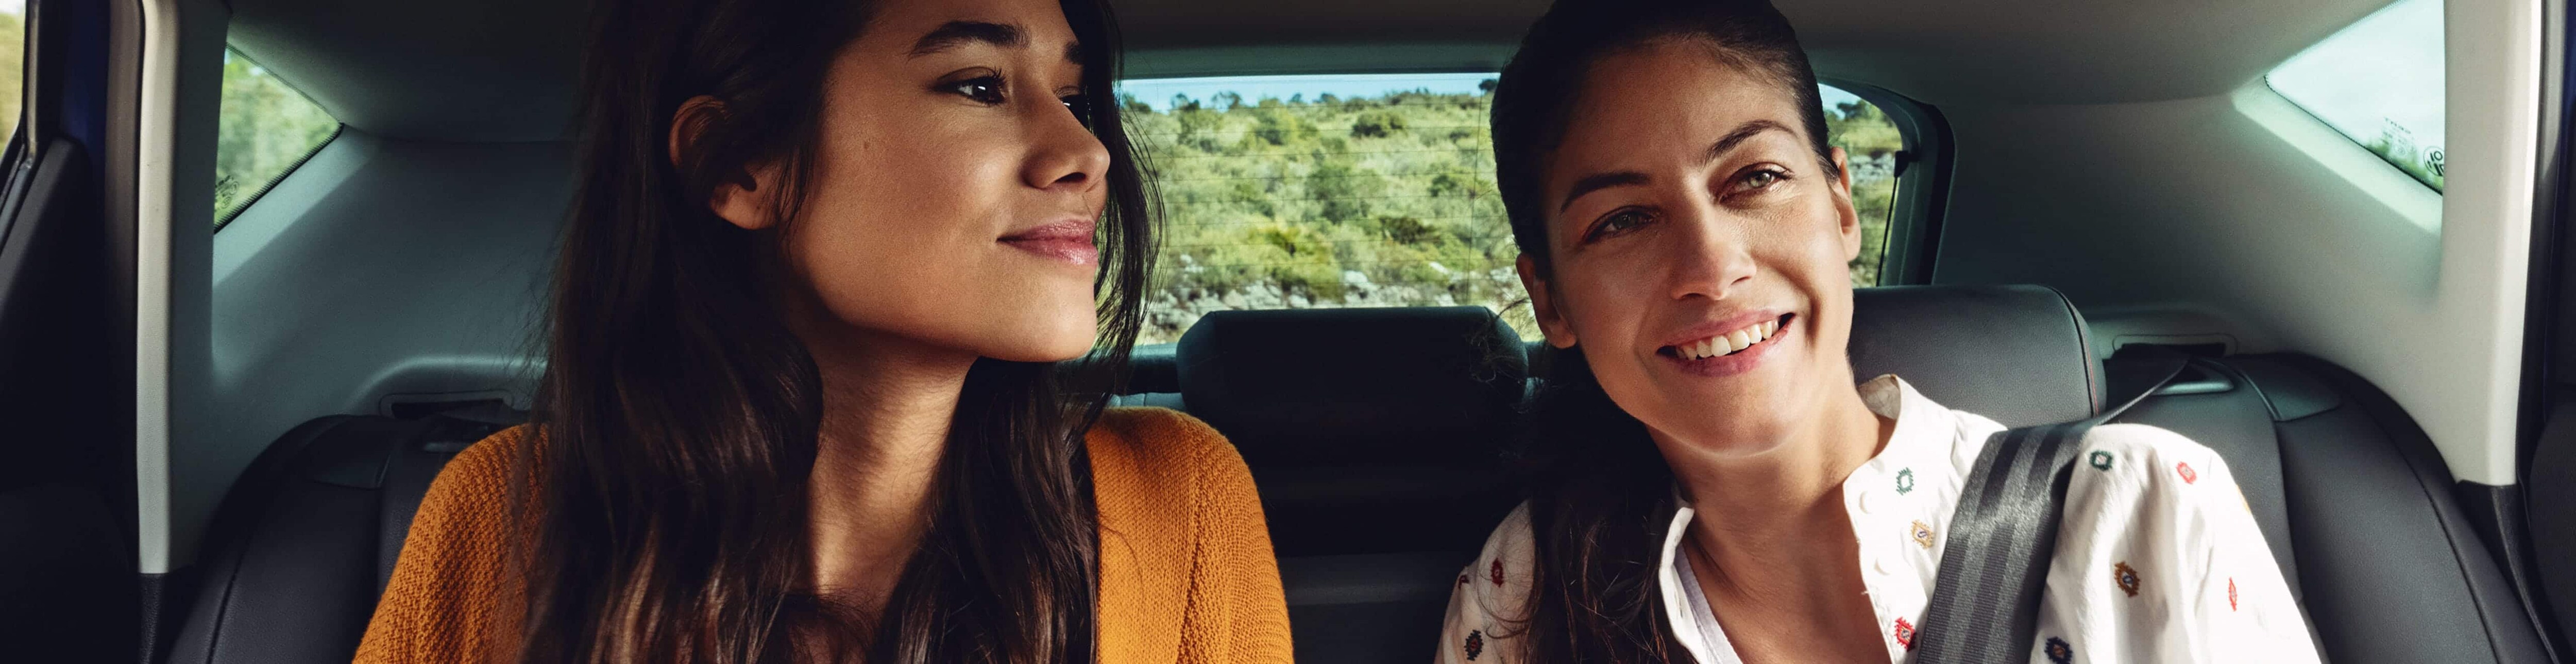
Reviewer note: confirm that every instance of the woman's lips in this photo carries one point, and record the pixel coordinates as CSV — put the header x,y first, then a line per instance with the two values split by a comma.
x,y
1069,241
1729,364
1078,252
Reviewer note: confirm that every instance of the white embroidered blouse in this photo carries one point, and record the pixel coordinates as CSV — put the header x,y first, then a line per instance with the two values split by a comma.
x,y
2158,558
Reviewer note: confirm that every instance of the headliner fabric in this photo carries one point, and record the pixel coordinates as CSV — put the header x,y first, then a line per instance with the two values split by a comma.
x,y
505,70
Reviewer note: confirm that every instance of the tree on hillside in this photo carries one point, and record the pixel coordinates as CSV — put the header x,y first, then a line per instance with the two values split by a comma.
x,y
1384,200
264,127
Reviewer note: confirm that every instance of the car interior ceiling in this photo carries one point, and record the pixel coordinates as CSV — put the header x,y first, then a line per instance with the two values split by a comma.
x,y
1382,465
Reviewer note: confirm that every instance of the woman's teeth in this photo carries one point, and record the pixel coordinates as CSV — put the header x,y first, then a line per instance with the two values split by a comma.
x,y
1729,343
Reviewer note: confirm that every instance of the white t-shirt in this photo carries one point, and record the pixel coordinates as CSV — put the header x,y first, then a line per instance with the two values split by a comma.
x,y
2158,558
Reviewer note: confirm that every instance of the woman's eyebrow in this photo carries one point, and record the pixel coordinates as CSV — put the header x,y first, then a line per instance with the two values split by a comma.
x,y
960,33
1599,181
1002,35
1741,134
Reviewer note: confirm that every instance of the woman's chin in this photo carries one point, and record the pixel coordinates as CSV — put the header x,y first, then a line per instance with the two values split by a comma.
x,y
1736,423
1057,347
1730,442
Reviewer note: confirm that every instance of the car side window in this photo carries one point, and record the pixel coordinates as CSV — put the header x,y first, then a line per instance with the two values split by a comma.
x,y
266,129
2379,83
1308,191
1872,146
13,66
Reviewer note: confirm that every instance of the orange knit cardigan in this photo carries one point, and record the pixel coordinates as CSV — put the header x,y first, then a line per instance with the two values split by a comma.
x,y
1186,573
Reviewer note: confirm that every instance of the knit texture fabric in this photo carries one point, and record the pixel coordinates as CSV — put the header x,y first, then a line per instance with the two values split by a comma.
x,y
1186,572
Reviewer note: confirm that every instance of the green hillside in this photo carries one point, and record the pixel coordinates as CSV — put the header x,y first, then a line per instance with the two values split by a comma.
x,y
1375,201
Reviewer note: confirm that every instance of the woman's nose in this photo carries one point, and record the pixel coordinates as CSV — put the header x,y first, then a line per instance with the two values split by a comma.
x,y
1709,256
1065,154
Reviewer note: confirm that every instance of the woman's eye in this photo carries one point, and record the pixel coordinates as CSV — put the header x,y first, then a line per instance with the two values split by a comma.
x,y
982,89
1760,180
1617,222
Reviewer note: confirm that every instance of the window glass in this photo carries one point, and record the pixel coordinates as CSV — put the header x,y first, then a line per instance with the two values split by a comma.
x,y
1367,191
2379,82
13,70
1872,146
266,128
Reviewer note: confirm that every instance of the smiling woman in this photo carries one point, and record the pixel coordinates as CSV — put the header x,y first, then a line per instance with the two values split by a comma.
x,y
1711,479
767,431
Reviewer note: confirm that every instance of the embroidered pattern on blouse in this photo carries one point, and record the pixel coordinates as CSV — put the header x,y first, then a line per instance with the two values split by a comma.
x,y
2059,652
2157,524
1462,578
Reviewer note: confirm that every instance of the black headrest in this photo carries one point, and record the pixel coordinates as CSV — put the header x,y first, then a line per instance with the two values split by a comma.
x,y
2017,354
1386,385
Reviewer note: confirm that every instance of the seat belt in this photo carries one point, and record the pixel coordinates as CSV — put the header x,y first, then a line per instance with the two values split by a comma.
x,y
1985,607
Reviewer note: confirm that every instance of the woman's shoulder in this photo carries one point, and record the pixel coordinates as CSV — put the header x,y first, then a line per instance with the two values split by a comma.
x,y
2150,446
1512,535
1494,587
452,572
2151,470
1160,443
1158,461
494,453
1152,425
467,505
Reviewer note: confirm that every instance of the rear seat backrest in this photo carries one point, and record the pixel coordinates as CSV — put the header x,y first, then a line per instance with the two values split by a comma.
x,y
1360,424
1344,385
1375,436
2017,354
304,542
2359,510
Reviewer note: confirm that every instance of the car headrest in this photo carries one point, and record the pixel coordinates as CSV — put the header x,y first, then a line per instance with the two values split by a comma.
x,y
2017,354
1386,385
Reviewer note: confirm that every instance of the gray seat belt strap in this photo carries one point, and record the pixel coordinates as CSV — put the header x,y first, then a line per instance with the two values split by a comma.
x,y
1985,606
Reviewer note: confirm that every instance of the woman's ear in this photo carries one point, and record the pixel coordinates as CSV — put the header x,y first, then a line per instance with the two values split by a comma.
x,y
1850,222
1543,305
742,198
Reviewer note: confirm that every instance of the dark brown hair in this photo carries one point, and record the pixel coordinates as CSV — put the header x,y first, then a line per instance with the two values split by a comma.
x,y
679,414
1601,496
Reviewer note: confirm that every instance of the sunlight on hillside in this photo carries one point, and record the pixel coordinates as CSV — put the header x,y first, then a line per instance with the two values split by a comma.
x,y
1372,200
13,55
264,129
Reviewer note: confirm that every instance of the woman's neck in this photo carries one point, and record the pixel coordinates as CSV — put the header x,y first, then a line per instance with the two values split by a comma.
x,y
887,407
1781,511
1773,548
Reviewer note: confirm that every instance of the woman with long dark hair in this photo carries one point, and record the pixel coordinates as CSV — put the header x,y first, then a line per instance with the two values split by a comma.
x,y
1717,487
821,378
